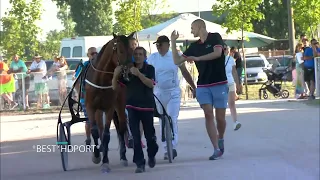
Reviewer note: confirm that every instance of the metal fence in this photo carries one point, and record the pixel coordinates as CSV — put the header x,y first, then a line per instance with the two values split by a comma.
x,y
33,92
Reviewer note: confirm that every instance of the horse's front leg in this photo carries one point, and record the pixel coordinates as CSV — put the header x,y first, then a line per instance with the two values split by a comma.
x,y
105,142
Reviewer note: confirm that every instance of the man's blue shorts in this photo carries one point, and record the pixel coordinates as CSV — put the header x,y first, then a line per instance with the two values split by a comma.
x,y
216,95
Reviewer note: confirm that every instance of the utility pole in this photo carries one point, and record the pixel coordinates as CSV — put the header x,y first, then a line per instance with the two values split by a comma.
x,y
199,8
291,28
243,53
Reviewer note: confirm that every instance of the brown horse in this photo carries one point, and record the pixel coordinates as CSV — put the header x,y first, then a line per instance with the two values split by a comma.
x,y
100,97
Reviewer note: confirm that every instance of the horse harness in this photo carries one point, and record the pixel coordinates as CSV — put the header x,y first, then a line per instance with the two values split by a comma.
x,y
114,48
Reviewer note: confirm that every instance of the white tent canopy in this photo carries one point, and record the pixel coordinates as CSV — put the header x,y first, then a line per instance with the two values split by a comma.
x,y
182,24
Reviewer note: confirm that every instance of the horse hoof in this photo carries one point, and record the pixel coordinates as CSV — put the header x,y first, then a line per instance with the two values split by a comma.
x,y
96,160
105,168
124,162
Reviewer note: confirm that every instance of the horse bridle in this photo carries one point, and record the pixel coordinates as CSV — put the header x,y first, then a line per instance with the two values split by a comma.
x,y
114,48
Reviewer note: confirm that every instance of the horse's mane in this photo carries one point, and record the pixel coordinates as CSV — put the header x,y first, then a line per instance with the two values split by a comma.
x,y
123,39
102,50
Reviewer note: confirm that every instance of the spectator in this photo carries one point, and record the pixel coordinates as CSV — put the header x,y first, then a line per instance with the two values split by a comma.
x,y
239,65
60,67
7,84
304,41
233,84
39,69
19,67
300,84
309,70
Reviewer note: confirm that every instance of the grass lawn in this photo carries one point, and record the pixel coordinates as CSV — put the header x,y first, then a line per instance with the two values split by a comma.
x,y
253,91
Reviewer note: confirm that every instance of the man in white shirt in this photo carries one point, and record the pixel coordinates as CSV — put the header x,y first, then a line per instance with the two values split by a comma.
x,y
167,85
39,69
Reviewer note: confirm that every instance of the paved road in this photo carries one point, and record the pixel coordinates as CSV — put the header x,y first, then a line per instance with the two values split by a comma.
x,y
278,141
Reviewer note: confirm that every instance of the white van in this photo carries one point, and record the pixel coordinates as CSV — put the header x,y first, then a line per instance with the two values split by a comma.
x,y
76,47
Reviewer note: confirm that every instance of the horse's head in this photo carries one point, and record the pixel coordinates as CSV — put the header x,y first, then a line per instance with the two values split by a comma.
x,y
116,52
120,44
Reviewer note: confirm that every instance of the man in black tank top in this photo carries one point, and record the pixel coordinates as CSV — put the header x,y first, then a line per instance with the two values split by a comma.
x,y
212,89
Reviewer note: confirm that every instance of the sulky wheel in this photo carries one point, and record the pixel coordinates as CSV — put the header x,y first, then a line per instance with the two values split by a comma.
x,y
63,145
285,94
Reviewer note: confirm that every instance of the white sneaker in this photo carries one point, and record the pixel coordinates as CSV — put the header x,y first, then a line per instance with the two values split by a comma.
x,y
236,125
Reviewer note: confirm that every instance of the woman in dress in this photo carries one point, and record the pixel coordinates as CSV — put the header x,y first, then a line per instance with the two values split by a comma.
x,y
60,67
301,88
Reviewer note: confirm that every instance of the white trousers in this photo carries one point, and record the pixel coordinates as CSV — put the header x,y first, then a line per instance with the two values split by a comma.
x,y
170,99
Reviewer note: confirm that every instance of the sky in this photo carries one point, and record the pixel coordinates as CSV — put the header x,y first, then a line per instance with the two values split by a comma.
x,y
50,11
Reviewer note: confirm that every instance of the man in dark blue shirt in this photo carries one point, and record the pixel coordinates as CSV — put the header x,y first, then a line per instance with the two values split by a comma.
x,y
309,70
140,105
212,88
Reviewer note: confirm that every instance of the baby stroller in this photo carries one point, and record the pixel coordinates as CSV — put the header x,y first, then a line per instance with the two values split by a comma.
x,y
273,85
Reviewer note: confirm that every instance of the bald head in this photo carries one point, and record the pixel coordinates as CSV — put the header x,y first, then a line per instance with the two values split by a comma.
x,y
198,27
200,23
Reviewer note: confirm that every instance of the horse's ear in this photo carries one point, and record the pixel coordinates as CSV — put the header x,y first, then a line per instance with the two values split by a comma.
x,y
114,35
131,35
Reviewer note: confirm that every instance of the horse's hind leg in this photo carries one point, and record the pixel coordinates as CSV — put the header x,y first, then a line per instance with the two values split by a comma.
x,y
105,143
96,157
121,137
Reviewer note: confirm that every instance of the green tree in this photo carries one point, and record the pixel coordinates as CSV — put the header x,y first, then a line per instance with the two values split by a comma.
x,y
66,19
306,13
240,13
151,15
272,25
128,16
52,44
92,18
19,28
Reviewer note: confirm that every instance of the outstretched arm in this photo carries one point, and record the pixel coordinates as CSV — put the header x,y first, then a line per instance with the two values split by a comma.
x,y
177,59
185,73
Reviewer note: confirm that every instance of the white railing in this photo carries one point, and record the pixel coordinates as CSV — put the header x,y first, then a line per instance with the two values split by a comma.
x,y
317,75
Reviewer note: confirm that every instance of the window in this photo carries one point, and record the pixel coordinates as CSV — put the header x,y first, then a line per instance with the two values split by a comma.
x,y
65,51
255,63
77,51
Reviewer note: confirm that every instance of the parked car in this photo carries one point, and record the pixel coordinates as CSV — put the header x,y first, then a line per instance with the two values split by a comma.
x,y
282,64
53,83
254,68
256,56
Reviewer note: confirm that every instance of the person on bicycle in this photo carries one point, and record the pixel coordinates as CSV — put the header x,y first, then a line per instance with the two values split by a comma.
x,y
212,90
140,106
167,88
92,52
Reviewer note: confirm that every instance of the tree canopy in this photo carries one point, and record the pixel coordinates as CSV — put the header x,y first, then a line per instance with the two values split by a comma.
x,y
92,18
19,28
240,13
